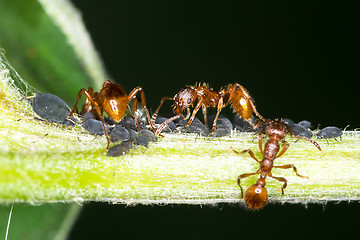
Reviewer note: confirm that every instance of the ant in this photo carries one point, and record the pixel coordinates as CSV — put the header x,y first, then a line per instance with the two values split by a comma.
x,y
112,99
233,93
256,195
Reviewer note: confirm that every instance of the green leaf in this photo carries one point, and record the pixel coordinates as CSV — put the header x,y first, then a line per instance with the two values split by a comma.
x,y
48,45
48,221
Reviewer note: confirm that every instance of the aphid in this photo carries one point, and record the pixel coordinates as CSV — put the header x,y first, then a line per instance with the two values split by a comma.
x,y
222,122
242,125
206,97
133,135
256,195
150,135
51,108
170,126
112,99
305,124
195,127
142,140
300,131
221,132
223,126
128,123
329,132
119,149
119,133
94,127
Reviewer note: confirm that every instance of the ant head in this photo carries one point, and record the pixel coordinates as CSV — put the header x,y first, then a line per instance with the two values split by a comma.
x,y
277,128
256,196
183,99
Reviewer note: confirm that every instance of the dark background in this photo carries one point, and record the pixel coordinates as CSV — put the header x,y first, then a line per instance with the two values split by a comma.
x,y
298,60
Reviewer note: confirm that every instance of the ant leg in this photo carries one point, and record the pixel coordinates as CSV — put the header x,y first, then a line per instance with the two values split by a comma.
x,y
258,124
89,96
154,116
252,155
135,118
286,146
290,166
303,138
132,95
204,110
143,102
245,175
220,106
194,112
187,114
280,179
260,142
83,90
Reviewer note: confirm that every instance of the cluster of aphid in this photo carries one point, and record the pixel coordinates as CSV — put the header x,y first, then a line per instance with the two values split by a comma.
x,y
113,100
116,128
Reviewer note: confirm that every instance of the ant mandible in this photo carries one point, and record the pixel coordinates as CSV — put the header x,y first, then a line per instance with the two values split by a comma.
x,y
256,195
233,93
112,99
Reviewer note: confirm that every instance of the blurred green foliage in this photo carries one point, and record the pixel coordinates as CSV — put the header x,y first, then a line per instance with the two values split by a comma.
x,y
49,221
39,50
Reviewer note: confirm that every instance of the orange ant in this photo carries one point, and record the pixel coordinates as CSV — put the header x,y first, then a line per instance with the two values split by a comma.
x,y
256,195
233,93
112,99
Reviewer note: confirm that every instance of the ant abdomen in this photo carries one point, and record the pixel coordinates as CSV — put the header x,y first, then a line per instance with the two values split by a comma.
x,y
242,104
256,197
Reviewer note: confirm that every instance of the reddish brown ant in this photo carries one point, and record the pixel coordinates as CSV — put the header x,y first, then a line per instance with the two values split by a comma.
x,y
112,99
256,195
233,93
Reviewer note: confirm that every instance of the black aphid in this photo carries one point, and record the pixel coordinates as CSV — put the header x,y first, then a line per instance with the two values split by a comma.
x,y
94,127
223,122
305,124
220,132
223,126
142,140
119,149
170,126
51,108
241,125
128,123
149,134
119,133
195,127
329,132
300,131
288,121
133,135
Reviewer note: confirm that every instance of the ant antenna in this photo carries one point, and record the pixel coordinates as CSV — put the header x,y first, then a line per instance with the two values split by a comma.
x,y
164,124
303,138
309,140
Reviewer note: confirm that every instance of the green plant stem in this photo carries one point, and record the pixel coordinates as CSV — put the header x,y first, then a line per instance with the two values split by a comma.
x,y
43,162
